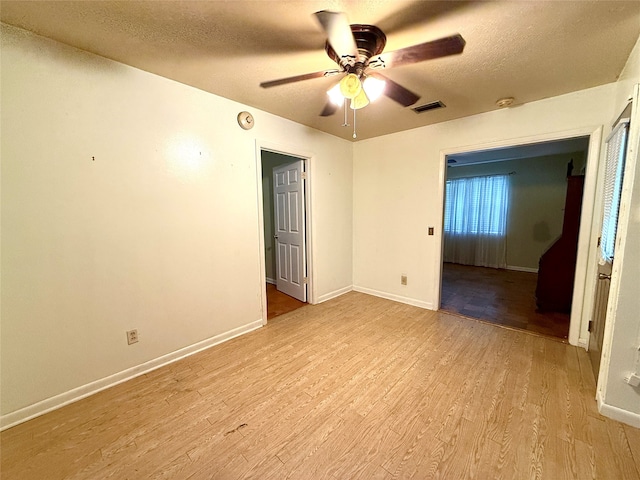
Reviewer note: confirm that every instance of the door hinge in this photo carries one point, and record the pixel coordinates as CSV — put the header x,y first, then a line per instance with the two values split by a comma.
x,y
590,326
599,240
303,175
305,280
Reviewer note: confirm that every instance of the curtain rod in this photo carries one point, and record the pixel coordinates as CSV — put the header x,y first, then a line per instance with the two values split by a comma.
x,y
480,176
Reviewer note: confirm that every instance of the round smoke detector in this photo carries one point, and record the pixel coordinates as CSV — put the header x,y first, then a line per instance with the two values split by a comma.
x,y
245,120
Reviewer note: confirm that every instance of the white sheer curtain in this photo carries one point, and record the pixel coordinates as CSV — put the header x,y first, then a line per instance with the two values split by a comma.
x,y
475,221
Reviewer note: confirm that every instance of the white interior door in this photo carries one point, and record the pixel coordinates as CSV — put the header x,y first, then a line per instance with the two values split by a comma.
x,y
289,220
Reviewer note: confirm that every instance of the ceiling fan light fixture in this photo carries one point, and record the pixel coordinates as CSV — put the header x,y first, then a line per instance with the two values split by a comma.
x,y
374,87
335,95
358,48
350,86
360,100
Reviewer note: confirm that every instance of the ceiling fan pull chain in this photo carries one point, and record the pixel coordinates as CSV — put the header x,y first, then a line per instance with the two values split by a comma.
x,y
345,124
354,123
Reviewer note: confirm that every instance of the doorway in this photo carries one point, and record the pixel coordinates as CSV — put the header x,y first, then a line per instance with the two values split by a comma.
x,y
284,209
570,144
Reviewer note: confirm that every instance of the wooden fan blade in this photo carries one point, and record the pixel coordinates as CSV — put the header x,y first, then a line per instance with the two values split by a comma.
x,y
298,78
329,109
339,35
424,51
397,92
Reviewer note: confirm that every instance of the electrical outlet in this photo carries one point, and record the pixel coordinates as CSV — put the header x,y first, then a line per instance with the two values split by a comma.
x,y
633,379
132,336
403,279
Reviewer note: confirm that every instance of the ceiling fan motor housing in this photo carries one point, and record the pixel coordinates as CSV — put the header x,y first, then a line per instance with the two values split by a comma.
x,y
370,41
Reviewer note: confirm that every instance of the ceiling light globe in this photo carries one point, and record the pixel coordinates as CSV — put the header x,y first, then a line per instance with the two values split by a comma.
x,y
359,101
350,86
335,96
374,87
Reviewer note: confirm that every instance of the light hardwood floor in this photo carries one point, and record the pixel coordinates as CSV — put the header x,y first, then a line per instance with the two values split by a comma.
x,y
357,387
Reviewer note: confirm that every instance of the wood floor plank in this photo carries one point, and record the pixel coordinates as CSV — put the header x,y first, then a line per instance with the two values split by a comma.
x,y
356,387
490,466
174,469
353,455
585,460
620,445
514,453
607,465
269,468
633,437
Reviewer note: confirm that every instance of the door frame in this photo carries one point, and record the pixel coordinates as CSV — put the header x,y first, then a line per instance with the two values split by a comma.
x,y
633,157
307,158
584,281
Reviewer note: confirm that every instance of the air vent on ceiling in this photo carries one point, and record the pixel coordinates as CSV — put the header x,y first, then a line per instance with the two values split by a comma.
x,y
429,106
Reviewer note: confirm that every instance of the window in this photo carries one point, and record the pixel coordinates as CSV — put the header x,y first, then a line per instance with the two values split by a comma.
x,y
614,168
477,205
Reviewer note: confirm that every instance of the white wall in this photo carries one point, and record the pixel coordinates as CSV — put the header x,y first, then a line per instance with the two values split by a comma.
x,y
397,180
622,335
130,201
536,209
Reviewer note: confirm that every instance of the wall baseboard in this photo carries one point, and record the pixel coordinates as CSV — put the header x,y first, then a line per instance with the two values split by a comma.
x,y
334,294
522,269
271,281
395,298
59,401
616,413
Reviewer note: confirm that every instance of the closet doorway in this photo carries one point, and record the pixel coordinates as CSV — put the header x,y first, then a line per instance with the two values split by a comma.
x,y
285,231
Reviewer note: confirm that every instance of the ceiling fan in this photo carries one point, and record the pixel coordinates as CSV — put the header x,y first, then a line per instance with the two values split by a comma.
x,y
357,49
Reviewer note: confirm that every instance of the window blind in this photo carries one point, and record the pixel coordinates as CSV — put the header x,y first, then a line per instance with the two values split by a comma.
x,y
614,169
477,205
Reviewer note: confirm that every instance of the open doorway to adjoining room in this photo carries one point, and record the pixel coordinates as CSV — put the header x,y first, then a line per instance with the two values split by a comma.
x,y
512,223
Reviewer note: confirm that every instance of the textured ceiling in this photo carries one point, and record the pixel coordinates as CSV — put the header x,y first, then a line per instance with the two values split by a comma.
x,y
578,145
526,50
